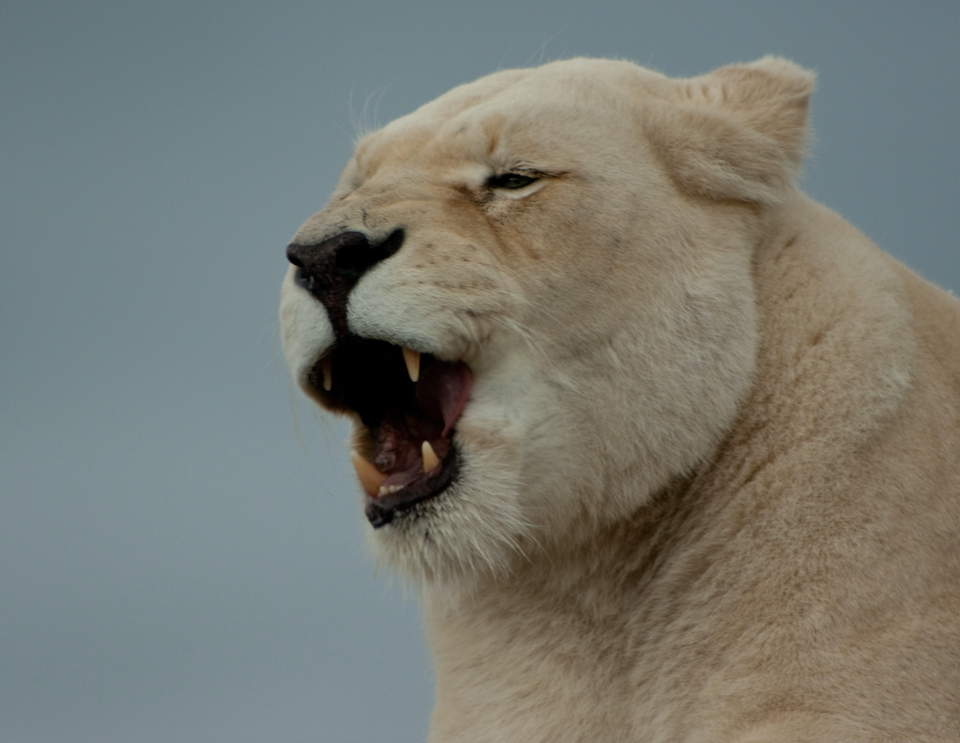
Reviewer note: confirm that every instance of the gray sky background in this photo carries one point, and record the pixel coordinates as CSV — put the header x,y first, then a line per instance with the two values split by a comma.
x,y
181,552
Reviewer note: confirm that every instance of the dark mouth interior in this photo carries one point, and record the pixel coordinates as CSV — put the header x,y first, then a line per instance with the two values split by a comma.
x,y
370,378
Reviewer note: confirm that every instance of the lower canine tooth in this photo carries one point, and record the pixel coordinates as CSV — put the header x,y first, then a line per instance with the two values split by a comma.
x,y
430,458
371,478
327,366
412,359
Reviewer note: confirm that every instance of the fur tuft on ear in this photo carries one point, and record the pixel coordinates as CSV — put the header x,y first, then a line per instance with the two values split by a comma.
x,y
738,132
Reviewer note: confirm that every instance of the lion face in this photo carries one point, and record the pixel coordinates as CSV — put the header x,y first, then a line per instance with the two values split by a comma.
x,y
531,310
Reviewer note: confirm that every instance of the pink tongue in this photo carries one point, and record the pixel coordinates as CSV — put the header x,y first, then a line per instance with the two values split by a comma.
x,y
443,390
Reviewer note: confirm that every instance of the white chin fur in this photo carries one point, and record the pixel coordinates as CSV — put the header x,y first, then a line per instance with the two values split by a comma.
x,y
474,528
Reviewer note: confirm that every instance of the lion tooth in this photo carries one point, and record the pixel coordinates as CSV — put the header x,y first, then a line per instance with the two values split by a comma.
x,y
327,365
412,360
371,478
430,458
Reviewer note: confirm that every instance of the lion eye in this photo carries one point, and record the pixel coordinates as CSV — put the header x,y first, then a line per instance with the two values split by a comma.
x,y
511,181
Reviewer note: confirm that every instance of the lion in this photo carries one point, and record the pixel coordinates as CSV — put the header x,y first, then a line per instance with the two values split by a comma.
x,y
670,451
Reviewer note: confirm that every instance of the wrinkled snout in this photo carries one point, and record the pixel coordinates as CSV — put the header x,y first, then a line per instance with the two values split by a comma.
x,y
331,268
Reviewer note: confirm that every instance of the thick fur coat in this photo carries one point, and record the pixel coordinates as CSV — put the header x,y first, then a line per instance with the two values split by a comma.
x,y
690,462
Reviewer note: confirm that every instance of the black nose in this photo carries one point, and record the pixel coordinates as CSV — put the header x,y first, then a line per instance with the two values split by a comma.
x,y
330,269
344,256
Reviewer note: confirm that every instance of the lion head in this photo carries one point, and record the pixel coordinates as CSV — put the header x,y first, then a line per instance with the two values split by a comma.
x,y
533,298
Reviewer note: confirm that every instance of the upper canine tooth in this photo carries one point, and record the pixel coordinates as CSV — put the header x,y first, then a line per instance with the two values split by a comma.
x,y
371,478
430,458
327,365
412,360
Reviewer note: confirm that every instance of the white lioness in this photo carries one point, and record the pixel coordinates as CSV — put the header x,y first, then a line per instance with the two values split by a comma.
x,y
672,452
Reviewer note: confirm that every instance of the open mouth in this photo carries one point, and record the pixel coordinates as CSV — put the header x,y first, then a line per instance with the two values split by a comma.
x,y
409,404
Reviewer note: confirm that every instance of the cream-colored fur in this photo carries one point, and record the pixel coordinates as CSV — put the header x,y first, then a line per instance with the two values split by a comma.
x,y
711,458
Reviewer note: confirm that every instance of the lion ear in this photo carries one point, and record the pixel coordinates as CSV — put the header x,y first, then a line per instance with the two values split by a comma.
x,y
738,132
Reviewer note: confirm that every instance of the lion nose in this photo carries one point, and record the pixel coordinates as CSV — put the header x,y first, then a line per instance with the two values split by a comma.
x,y
343,257
330,269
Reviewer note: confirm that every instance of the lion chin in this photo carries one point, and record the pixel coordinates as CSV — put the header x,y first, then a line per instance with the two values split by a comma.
x,y
671,451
